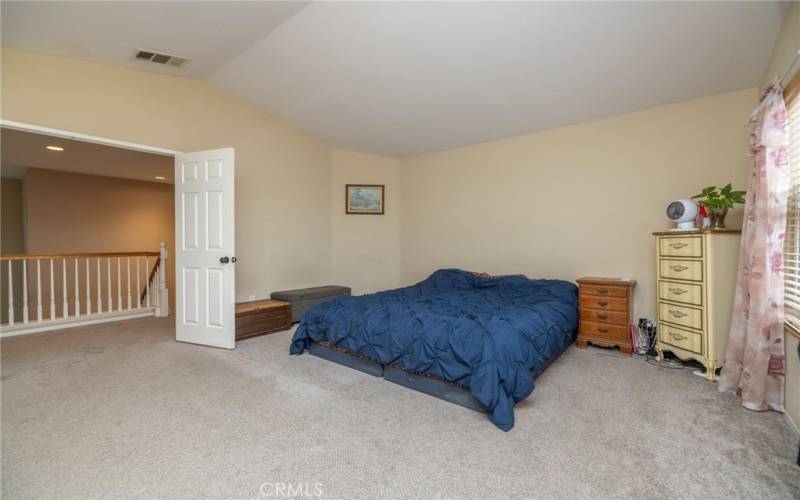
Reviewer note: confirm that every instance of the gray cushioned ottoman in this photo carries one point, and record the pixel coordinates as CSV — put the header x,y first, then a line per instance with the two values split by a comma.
x,y
305,298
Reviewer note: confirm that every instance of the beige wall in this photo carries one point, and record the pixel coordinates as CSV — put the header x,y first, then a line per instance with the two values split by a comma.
x,y
12,235
67,212
282,175
12,239
573,201
70,213
365,249
786,47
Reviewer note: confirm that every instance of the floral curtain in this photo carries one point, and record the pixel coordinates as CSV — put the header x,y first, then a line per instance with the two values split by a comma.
x,y
755,359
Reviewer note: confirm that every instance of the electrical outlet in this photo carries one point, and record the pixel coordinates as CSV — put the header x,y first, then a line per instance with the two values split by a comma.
x,y
251,297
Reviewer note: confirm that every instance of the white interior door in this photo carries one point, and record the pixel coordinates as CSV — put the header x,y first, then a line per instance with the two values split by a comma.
x,y
204,248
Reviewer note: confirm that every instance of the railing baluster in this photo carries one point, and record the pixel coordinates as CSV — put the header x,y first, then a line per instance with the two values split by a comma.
x,y
138,284
88,289
147,280
77,290
152,295
38,289
24,291
99,291
52,292
110,302
65,311
128,280
10,296
119,284
157,295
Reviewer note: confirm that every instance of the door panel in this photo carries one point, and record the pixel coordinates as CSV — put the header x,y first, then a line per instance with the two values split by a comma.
x,y
204,202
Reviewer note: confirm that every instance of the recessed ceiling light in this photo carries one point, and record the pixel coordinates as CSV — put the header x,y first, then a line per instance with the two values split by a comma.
x,y
54,148
160,178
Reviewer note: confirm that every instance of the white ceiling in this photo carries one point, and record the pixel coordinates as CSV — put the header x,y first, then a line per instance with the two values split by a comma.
x,y
209,33
402,79
21,150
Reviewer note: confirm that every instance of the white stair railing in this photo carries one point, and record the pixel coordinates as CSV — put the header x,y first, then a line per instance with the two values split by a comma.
x,y
81,276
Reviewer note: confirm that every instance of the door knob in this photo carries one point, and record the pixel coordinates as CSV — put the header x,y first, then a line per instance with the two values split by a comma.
x,y
224,260
233,259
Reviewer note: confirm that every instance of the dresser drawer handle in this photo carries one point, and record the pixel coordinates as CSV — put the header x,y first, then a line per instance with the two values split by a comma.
x,y
678,291
602,291
678,245
677,314
602,329
678,268
602,303
602,316
677,336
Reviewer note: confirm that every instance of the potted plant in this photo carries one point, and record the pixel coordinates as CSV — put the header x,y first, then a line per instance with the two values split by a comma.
x,y
718,201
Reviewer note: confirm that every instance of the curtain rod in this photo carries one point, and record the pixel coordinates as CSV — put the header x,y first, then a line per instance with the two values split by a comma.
x,y
779,80
789,67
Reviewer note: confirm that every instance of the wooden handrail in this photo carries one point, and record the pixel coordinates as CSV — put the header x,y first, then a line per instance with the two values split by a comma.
x,y
25,256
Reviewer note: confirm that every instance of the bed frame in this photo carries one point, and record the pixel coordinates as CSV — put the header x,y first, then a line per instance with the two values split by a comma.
x,y
431,385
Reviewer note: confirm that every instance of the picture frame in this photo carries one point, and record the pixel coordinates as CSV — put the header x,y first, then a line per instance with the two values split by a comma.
x,y
364,199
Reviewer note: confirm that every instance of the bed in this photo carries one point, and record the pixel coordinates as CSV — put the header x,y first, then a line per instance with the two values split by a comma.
x,y
486,337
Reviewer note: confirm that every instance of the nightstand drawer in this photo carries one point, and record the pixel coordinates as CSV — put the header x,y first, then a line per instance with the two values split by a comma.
x,y
683,339
680,315
609,317
603,303
604,290
589,329
681,246
681,292
691,270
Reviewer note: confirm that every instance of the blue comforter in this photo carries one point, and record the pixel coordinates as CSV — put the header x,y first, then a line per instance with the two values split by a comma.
x,y
488,334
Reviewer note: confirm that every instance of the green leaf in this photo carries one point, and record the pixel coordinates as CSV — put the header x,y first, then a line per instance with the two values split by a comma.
x,y
709,189
726,190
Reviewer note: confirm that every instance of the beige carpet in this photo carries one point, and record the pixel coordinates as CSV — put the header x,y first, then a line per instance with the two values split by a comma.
x,y
124,411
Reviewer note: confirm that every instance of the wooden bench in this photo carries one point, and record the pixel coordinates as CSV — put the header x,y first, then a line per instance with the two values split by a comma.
x,y
260,317
305,298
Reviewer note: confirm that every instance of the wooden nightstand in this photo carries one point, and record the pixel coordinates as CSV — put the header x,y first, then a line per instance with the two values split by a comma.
x,y
262,316
605,313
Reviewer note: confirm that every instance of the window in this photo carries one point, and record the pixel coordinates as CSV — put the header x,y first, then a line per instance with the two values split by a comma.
x,y
792,243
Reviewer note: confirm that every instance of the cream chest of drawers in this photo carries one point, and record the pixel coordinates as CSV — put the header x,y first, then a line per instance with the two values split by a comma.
x,y
695,283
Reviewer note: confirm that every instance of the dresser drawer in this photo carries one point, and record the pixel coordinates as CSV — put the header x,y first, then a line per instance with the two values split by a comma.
x,y
609,317
687,293
680,315
604,303
604,290
683,339
590,329
680,246
691,270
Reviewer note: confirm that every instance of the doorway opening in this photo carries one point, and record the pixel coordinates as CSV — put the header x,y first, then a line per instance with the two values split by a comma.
x,y
86,228
202,225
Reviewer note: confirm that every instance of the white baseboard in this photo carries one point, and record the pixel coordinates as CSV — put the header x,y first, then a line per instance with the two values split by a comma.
x,y
57,324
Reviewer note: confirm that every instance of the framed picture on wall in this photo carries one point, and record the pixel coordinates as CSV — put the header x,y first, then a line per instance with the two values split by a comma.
x,y
364,199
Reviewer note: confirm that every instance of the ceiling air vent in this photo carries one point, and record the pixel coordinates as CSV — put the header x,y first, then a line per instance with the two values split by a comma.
x,y
158,58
